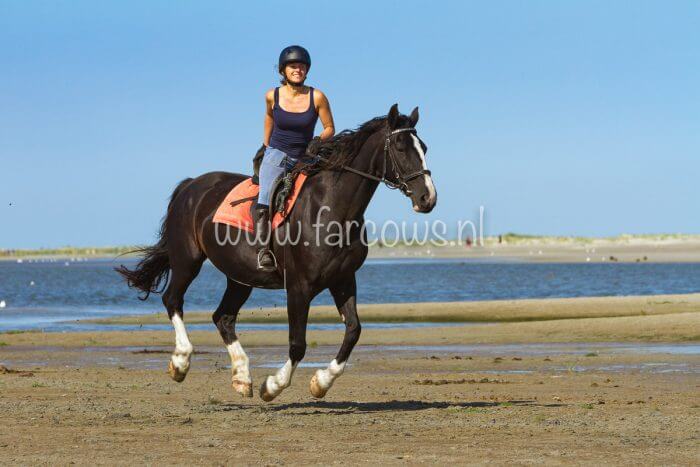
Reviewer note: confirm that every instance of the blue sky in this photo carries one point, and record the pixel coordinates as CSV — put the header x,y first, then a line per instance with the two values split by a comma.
x,y
571,118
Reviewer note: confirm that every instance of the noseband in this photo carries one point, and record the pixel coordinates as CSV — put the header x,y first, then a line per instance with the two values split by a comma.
x,y
401,180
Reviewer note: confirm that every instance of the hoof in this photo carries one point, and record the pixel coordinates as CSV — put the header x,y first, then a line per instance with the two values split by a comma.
x,y
316,390
175,373
264,395
243,388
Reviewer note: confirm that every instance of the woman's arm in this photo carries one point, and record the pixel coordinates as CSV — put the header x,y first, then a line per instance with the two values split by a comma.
x,y
324,112
269,122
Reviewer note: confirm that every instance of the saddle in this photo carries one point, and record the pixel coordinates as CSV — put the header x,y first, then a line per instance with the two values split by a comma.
x,y
313,151
282,187
238,206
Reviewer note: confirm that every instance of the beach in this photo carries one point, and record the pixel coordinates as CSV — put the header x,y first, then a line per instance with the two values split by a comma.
x,y
489,222
608,379
538,249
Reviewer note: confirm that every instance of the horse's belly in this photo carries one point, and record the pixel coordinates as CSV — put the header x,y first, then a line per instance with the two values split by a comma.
x,y
233,256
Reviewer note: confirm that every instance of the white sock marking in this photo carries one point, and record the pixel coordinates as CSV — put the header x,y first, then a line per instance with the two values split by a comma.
x,y
239,362
183,347
281,380
326,377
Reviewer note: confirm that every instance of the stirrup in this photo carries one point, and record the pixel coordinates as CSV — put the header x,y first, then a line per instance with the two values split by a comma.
x,y
274,261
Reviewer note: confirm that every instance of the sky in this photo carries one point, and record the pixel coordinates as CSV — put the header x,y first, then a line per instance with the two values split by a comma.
x,y
559,118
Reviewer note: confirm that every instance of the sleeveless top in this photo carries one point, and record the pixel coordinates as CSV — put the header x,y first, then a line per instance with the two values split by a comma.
x,y
292,131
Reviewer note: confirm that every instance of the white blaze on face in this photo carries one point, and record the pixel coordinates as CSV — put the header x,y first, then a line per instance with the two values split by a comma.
x,y
326,377
183,347
428,179
281,380
239,362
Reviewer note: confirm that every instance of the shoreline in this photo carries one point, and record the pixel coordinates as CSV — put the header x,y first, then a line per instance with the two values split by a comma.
x,y
486,311
661,318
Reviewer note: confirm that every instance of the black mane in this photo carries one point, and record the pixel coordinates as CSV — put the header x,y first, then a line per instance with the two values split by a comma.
x,y
342,148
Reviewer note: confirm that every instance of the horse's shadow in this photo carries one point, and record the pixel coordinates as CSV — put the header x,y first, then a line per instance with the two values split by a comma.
x,y
348,407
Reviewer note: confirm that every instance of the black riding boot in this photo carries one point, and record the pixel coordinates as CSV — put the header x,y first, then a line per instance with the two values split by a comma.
x,y
266,260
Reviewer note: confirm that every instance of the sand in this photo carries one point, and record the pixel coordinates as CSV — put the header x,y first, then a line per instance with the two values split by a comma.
x,y
542,250
385,409
469,312
97,398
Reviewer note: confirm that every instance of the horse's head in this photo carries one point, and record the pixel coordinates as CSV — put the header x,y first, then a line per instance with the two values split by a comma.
x,y
406,167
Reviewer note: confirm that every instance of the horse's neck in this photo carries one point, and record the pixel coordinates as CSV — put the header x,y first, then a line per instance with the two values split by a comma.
x,y
352,191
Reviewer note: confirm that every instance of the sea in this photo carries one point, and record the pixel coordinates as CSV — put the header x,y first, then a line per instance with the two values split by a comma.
x,y
52,294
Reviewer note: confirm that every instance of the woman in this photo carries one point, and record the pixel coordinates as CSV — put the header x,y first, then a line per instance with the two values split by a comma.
x,y
290,117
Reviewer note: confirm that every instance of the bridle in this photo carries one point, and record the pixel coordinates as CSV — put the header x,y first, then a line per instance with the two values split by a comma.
x,y
401,180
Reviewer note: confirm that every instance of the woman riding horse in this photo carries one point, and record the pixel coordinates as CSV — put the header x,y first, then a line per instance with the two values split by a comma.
x,y
384,150
291,112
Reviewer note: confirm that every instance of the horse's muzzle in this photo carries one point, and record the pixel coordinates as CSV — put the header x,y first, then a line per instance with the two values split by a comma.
x,y
423,194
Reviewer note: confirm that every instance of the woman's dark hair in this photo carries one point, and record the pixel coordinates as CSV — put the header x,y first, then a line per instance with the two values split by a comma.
x,y
283,77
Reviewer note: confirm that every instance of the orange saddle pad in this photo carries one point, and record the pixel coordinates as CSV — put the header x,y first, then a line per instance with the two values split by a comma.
x,y
235,210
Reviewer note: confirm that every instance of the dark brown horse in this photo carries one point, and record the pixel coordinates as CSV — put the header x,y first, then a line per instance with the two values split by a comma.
x,y
385,149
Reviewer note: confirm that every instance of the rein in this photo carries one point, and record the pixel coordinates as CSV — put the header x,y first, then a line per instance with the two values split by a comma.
x,y
401,182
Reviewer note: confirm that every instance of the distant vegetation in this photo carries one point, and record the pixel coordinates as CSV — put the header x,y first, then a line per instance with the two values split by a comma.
x,y
509,238
515,238
67,252
512,238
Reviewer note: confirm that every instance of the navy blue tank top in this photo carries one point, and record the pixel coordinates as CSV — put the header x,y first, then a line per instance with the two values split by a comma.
x,y
292,131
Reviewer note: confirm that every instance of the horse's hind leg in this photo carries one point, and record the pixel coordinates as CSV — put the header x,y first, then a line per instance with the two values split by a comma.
x,y
225,320
344,296
174,299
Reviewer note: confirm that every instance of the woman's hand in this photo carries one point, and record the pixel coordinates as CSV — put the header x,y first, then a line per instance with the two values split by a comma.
x,y
314,146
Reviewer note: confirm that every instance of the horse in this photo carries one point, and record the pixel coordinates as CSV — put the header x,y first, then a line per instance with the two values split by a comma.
x,y
385,149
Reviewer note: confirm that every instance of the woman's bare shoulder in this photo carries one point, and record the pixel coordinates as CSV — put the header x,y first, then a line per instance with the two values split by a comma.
x,y
318,94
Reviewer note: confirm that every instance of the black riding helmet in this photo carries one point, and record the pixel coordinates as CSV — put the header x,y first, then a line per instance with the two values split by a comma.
x,y
294,53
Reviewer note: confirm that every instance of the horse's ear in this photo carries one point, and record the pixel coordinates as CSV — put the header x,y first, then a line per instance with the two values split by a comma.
x,y
393,117
413,118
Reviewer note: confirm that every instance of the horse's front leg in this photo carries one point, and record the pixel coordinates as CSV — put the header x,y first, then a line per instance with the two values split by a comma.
x,y
297,314
344,296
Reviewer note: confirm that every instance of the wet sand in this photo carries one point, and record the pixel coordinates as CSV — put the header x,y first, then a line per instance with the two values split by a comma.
x,y
467,312
403,408
677,327
502,393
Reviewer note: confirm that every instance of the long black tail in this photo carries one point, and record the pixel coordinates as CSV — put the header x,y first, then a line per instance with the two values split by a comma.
x,y
154,267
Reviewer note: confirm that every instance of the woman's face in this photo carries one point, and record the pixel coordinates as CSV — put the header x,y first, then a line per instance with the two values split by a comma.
x,y
295,72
